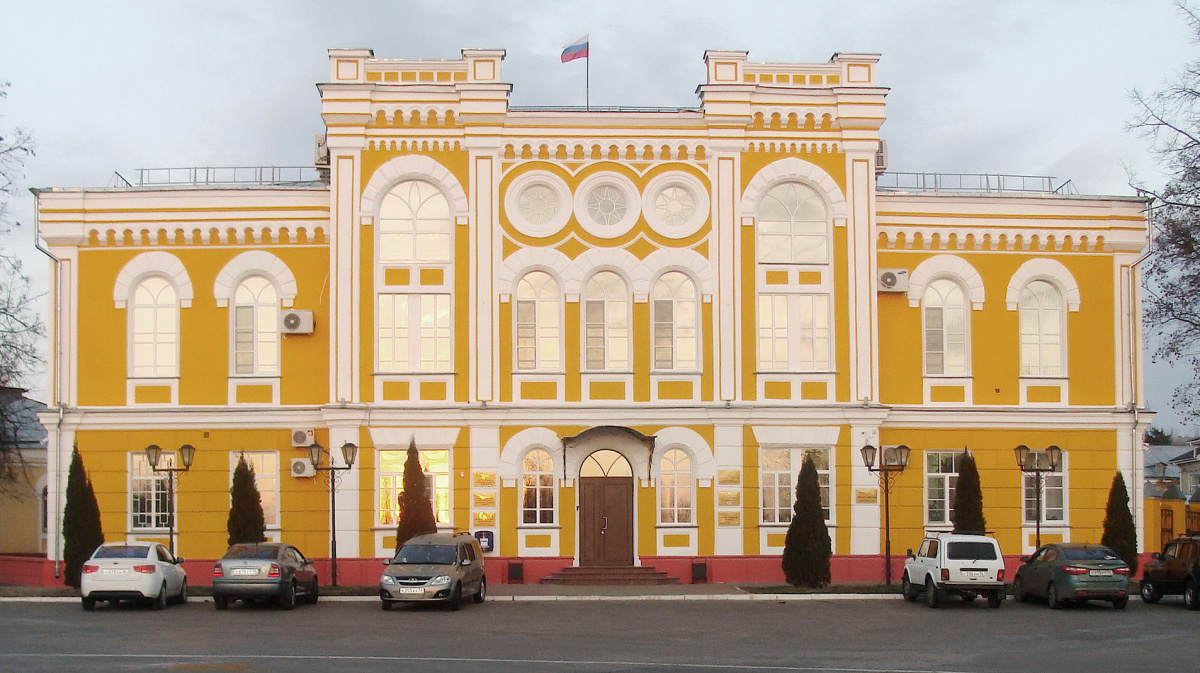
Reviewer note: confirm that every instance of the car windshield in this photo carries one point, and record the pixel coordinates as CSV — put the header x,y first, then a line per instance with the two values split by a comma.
x,y
963,551
436,554
122,551
1093,554
251,551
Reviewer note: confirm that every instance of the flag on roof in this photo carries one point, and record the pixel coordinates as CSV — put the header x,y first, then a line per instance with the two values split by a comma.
x,y
577,49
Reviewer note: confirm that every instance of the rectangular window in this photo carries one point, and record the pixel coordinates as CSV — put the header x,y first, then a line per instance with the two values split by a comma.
x,y
813,332
821,462
150,506
266,479
436,466
941,478
1053,492
414,332
772,332
776,485
793,332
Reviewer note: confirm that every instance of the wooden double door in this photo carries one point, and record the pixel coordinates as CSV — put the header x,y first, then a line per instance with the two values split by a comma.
x,y
606,514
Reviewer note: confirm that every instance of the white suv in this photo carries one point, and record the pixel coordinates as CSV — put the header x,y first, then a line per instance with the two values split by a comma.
x,y
958,563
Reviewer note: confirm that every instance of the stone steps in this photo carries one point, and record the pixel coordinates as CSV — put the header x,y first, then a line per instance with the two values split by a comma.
x,y
609,576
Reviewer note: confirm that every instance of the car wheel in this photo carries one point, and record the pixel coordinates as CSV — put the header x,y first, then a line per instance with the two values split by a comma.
x,y
1019,594
314,592
160,601
89,604
221,602
288,598
969,597
455,598
182,597
386,605
908,590
1052,598
995,598
1150,593
1191,597
1120,603
482,593
932,597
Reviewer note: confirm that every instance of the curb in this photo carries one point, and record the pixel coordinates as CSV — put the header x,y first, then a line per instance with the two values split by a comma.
x,y
544,599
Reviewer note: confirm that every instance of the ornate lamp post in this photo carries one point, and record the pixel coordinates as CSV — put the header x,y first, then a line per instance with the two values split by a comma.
x,y
1037,463
349,453
187,453
892,462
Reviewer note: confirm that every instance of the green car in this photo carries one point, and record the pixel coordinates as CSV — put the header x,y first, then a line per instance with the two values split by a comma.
x,y
1063,572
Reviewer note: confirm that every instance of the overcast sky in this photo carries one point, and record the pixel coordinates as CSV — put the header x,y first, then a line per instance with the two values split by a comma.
x,y
1035,88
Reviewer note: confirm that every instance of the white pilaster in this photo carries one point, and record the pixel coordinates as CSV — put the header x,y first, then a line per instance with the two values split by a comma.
x,y
483,193
724,206
727,450
865,517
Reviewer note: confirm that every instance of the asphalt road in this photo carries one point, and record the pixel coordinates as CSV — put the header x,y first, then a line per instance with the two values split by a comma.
x,y
860,635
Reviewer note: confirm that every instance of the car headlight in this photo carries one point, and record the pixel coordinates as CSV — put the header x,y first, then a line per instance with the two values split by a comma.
x,y
387,579
440,579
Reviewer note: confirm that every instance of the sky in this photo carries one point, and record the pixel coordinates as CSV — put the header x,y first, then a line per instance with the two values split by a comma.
x,y
1018,87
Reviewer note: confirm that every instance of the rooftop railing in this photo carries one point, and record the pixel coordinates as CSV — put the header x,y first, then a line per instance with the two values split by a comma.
x,y
987,183
223,176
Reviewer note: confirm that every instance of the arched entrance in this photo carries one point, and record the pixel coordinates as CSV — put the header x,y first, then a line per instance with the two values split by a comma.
x,y
605,510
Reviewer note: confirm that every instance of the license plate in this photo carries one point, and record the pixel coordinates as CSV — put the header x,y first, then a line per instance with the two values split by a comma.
x,y
245,571
1100,573
411,590
974,574
115,571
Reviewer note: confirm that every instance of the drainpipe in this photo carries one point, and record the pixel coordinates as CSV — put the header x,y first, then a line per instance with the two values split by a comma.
x,y
56,392
1136,443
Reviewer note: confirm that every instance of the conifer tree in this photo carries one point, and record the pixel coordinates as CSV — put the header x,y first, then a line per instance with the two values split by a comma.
x,y
807,547
968,498
416,512
1120,533
81,521
246,521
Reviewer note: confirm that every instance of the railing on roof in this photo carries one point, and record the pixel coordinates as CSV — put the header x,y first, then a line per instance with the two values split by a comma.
x,y
597,108
203,176
988,183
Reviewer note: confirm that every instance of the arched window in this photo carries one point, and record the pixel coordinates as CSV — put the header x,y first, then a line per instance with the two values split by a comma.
x,y
675,487
793,225
606,323
1042,330
537,487
675,322
539,333
154,328
255,328
414,224
944,311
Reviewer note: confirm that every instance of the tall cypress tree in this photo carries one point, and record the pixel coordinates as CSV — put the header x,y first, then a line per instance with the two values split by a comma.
x,y
968,498
416,512
1120,533
807,547
246,521
81,521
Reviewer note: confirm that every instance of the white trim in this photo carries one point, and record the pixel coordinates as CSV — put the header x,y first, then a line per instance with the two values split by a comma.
x,y
696,266
554,183
521,262
633,206
946,265
674,437
689,183
788,436
426,438
413,167
254,263
508,469
793,169
153,263
1049,270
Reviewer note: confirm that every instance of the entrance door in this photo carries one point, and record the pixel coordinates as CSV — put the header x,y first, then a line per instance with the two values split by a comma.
x,y
605,510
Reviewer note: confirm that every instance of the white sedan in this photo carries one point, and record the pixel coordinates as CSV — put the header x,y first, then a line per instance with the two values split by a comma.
x,y
133,571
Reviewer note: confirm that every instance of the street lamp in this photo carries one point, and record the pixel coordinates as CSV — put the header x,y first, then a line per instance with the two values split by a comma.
x,y
1036,463
892,461
187,453
349,453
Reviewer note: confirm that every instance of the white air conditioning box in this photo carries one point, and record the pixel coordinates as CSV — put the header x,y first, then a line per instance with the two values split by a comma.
x,y
303,437
296,322
302,468
892,280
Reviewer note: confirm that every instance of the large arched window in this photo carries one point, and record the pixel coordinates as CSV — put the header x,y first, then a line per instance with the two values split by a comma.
x,y
674,313
944,311
1042,330
675,487
538,321
154,328
606,323
793,225
255,328
414,224
537,487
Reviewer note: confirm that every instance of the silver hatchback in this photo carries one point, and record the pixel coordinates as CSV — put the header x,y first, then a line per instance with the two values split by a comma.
x,y
437,567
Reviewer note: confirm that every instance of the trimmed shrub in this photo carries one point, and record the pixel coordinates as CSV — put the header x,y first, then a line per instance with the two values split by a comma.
x,y
968,498
1120,533
81,521
416,512
246,520
807,548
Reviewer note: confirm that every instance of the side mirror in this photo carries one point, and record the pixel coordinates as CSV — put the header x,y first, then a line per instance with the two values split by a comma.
x,y
466,562
387,561
910,554
308,561
178,560
1024,559
1156,556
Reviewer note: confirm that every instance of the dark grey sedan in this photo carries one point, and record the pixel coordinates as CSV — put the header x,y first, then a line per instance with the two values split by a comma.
x,y
267,570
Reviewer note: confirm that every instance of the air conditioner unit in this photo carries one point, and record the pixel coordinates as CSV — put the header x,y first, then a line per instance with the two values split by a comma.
x,y
892,280
881,158
303,437
296,322
302,468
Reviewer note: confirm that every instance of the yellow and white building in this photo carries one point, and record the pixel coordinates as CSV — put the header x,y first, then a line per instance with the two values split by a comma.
x,y
614,333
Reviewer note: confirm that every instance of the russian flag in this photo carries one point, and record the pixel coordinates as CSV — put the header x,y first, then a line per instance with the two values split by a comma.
x,y
577,49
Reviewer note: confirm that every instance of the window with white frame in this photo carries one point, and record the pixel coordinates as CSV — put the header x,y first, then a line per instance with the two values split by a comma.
x,y
538,321
944,311
792,225
793,332
435,466
777,488
772,332
414,224
1054,491
265,465
150,506
674,310
255,328
606,323
820,458
941,478
414,333
537,488
675,487
1042,330
154,328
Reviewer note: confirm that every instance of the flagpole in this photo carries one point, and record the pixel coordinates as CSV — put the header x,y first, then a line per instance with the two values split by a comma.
x,y
587,82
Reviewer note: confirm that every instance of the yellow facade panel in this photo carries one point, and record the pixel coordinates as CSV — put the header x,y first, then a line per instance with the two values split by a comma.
x,y
396,277
433,277
257,394
675,390
433,390
152,394
395,390
814,390
539,390
810,277
777,390
776,539
776,277
607,390
677,540
947,393
1044,394
540,541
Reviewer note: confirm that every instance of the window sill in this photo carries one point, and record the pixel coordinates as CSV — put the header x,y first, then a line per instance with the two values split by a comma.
x,y
539,526
678,526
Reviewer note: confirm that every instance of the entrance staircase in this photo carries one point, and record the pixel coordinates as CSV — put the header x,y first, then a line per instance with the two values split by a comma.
x,y
621,575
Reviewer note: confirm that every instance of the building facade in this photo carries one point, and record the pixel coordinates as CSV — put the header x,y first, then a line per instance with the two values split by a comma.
x,y
614,334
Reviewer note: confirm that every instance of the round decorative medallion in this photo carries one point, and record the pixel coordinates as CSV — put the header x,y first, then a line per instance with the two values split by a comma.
x,y
676,204
538,203
606,204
